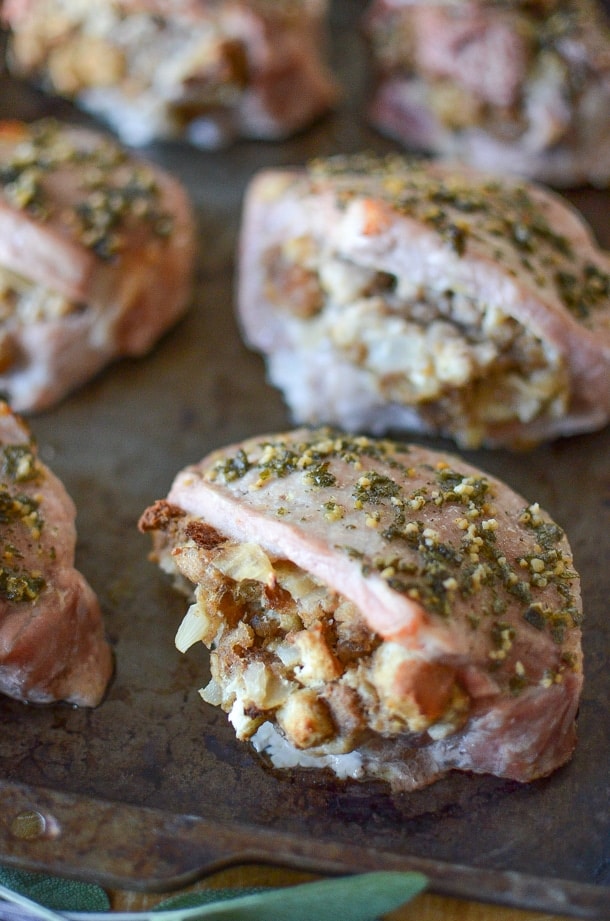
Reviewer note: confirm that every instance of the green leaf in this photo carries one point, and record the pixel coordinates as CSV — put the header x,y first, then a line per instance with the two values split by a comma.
x,y
54,892
206,896
361,897
350,898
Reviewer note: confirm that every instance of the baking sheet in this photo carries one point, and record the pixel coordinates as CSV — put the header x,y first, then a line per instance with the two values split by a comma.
x,y
151,790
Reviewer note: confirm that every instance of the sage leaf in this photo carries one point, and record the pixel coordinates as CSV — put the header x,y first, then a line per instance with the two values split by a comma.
x,y
55,892
17,907
205,896
362,897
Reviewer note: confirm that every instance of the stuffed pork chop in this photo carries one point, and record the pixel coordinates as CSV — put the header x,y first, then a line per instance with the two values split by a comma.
x,y
96,258
52,643
515,85
389,294
383,609
207,71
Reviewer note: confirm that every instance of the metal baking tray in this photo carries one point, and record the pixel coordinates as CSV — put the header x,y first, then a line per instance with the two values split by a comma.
x,y
151,790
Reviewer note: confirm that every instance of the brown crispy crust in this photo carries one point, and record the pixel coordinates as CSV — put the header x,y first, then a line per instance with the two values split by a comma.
x,y
159,516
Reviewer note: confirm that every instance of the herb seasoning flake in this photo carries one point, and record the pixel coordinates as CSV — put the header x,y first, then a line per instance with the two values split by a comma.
x,y
463,209
115,191
435,534
21,522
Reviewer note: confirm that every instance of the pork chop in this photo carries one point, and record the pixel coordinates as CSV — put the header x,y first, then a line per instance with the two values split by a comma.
x,y
382,609
52,642
96,258
393,294
207,71
514,86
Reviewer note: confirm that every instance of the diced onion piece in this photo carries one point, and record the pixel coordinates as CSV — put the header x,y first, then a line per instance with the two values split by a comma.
x,y
196,627
244,725
263,688
306,590
287,653
244,561
212,693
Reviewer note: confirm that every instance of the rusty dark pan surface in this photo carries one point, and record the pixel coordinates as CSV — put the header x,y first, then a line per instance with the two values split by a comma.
x,y
151,790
